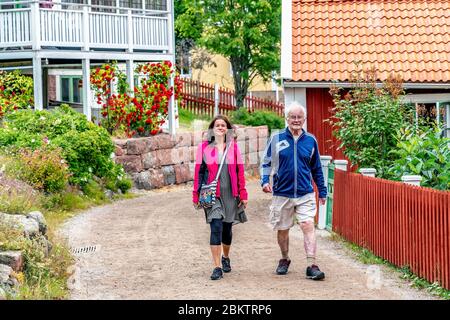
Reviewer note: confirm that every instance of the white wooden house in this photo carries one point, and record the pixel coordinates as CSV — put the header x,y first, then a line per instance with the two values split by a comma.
x,y
63,39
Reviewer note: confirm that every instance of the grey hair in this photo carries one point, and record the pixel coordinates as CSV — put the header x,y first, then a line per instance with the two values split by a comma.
x,y
295,105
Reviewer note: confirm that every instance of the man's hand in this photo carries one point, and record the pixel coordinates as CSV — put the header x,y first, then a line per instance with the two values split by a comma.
x,y
267,188
322,201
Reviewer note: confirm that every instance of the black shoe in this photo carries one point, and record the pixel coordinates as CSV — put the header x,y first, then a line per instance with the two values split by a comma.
x,y
314,273
226,267
283,266
217,274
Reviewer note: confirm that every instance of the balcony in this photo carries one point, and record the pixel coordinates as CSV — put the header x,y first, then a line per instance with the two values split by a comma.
x,y
92,25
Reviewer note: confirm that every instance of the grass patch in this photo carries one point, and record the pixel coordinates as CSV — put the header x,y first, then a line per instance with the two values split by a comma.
x,y
367,257
45,277
190,121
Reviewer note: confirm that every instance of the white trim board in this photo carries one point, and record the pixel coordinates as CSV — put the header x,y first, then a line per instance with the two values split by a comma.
x,y
327,84
286,39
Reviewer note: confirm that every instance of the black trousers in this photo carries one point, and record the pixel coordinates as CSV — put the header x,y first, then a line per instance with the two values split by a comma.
x,y
220,232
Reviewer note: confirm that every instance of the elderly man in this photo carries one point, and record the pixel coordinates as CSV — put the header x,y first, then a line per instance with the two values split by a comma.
x,y
292,156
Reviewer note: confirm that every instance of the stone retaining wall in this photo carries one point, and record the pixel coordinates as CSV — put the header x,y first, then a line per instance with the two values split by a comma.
x,y
157,161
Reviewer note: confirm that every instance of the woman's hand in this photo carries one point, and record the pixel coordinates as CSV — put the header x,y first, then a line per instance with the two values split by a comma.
x,y
196,205
243,203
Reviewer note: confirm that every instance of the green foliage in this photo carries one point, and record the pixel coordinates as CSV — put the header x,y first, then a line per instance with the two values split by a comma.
x,y
367,120
258,118
44,277
246,32
16,92
367,257
42,168
186,117
422,152
86,148
14,202
94,191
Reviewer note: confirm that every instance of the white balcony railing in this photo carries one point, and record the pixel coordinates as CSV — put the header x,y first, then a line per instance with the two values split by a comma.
x,y
39,24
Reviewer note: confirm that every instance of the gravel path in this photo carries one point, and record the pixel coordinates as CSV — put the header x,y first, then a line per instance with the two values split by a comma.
x,y
157,247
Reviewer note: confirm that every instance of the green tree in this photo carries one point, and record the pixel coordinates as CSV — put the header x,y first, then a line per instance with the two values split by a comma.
x,y
246,32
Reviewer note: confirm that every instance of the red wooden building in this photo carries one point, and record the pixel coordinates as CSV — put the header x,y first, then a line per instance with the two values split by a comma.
x,y
321,40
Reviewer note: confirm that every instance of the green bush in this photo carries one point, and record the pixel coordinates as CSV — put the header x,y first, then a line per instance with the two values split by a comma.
x,y
367,118
86,147
258,118
423,152
43,168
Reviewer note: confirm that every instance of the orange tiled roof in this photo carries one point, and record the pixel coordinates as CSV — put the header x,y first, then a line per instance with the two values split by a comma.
x,y
411,38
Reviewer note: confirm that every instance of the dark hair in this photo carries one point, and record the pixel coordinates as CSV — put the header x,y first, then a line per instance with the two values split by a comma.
x,y
230,132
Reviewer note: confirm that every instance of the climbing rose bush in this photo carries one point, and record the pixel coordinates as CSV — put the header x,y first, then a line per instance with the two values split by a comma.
x,y
16,92
143,112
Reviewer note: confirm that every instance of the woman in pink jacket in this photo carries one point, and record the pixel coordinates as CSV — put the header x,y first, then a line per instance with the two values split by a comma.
x,y
231,194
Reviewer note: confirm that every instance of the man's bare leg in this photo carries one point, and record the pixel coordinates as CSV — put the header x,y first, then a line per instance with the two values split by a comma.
x,y
309,241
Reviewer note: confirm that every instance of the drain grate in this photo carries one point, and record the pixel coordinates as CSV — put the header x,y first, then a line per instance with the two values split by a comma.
x,y
86,249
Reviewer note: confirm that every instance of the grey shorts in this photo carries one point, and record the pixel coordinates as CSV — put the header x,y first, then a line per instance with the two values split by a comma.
x,y
285,211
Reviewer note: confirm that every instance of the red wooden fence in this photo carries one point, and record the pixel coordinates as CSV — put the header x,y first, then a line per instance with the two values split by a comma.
x,y
404,224
199,98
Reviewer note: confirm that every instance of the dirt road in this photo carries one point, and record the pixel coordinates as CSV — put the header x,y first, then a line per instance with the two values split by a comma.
x,y
157,247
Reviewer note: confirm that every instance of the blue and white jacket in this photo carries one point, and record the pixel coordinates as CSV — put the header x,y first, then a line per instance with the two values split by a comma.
x,y
294,164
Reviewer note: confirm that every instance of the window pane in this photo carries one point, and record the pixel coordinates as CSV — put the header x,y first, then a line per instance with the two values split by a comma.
x,y
65,93
76,90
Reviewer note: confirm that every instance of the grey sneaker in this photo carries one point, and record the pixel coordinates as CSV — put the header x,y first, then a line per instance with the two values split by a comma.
x,y
283,266
226,267
217,274
313,272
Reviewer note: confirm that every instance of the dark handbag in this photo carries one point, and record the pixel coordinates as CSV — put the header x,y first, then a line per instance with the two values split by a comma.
x,y
207,192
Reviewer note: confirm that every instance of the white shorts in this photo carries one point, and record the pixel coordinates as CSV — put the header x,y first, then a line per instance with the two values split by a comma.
x,y
283,210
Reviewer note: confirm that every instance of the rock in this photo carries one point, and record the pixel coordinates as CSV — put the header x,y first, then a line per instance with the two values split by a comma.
x,y
13,259
118,151
121,143
142,180
183,139
29,226
156,178
40,219
262,143
45,245
150,160
165,157
182,173
180,155
139,145
109,194
169,175
165,141
150,179
131,163
5,275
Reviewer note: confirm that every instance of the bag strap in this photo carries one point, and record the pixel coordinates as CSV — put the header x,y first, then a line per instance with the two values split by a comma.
x,y
221,162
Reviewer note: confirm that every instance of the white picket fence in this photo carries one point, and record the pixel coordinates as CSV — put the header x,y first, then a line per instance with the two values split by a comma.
x,y
82,26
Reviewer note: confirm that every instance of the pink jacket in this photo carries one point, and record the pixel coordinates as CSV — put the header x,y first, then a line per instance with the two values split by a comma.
x,y
234,159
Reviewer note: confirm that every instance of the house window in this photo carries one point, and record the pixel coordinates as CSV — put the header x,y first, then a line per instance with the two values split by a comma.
x,y
71,89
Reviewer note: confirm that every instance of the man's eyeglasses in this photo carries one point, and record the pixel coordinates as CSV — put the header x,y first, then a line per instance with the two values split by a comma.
x,y
296,117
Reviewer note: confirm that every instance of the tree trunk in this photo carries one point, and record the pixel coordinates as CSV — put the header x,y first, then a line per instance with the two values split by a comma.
x,y
241,82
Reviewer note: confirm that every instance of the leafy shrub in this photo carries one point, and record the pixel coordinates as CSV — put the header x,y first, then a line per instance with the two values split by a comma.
x,y
86,148
367,119
423,152
16,91
258,118
42,168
